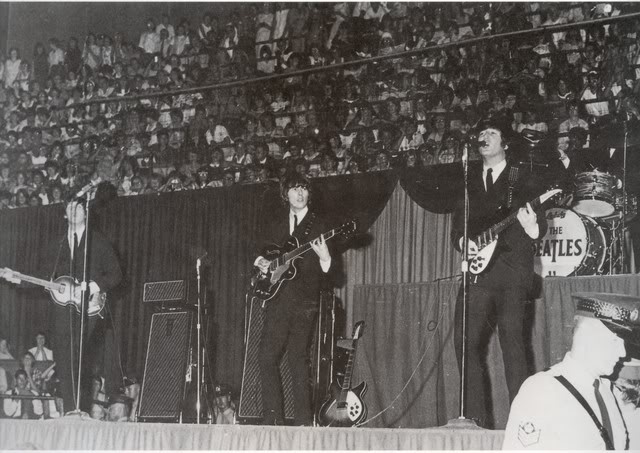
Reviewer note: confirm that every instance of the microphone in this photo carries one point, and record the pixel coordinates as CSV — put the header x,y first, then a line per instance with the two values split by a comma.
x,y
86,189
472,139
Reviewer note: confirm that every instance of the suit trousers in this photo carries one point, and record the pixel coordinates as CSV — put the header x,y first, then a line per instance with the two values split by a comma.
x,y
288,326
66,340
486,309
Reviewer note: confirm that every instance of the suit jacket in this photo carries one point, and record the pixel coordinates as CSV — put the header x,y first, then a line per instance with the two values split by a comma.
x,y
512,261
104,268
305,286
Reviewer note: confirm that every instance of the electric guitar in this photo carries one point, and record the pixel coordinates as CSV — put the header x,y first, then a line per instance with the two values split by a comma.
x,y
345,406
488,239
282,266
63,290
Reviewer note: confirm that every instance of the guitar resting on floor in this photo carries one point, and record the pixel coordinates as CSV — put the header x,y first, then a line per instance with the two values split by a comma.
x,y
344,406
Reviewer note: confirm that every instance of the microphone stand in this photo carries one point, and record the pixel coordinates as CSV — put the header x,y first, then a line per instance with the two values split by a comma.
x,y
199,362
462,421
84,300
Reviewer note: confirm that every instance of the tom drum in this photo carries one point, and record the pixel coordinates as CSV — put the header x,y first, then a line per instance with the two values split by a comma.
x,y
595,194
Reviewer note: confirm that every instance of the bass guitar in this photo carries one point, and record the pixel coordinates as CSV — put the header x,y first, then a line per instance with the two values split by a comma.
x,y
488,239
282,258
63,290
345,406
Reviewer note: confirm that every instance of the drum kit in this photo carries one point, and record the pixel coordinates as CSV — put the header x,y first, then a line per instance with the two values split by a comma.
x,y
589,238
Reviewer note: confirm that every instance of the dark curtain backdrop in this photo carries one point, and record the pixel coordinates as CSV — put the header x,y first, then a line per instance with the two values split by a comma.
x,y
160,238
435,188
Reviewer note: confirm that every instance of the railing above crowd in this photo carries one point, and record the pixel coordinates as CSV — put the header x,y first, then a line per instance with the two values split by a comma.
x,y
321,89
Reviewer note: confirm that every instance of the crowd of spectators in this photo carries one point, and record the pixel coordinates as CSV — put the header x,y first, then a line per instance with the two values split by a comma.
x,y
127,110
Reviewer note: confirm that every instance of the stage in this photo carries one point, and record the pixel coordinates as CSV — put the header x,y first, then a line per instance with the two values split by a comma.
x,y
426,407
73,434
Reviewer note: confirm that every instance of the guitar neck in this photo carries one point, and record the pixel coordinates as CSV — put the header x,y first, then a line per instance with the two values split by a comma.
x,y
304,248
488,235
37,281
348,372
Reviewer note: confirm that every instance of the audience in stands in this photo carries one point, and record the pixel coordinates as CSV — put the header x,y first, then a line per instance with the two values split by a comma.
x,y
40,351
4,350
113,107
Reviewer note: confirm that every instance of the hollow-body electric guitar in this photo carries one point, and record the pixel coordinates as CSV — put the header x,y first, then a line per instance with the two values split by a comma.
x,y
63,290
345,406
282,258
488,239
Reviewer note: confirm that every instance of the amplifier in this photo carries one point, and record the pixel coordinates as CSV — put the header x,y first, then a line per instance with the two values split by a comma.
x,y
165,291
250,405
163,386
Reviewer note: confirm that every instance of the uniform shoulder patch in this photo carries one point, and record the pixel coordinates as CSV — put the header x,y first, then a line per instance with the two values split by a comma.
x,y
528,434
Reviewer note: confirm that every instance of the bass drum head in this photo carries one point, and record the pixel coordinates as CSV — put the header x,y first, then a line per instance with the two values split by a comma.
x,y
572,245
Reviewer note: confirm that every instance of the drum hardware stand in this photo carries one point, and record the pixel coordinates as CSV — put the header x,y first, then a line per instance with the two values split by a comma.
x,y
624,196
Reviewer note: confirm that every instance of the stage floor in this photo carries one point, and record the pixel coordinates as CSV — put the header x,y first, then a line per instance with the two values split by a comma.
x,y
74,434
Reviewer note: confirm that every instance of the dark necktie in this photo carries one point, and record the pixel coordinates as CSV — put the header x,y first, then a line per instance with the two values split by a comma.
x,y
489,179
295,222
606,421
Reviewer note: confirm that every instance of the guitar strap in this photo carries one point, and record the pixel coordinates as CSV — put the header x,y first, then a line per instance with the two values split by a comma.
x,y
55,264
305,227
514,174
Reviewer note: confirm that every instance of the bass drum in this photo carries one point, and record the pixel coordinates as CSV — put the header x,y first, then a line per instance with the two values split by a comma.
x,y
574,244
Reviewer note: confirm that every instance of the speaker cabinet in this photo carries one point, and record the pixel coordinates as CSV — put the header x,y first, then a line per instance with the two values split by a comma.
x,y
250,407
165,291
163,385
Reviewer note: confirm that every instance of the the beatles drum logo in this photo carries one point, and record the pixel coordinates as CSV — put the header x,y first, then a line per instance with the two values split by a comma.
x,y
571,245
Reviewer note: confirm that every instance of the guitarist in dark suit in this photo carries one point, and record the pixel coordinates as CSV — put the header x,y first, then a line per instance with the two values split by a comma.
x,y
66,258
104,274
291,313
497,296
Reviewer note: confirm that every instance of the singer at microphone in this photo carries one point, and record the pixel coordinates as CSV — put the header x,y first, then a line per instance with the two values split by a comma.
x,y
88,188
497,294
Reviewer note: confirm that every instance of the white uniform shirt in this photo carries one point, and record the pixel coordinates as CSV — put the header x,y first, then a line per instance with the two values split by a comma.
x,y
546,416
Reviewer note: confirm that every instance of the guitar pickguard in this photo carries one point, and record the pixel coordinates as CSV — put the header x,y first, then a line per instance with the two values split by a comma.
x,y
480,262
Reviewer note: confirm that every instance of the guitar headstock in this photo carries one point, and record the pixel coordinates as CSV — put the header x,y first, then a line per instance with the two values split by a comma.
x,y
357,330
9,275
347,228
551,193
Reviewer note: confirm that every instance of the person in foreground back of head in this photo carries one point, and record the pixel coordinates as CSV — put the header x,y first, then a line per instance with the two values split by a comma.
x,y
627,390
572,405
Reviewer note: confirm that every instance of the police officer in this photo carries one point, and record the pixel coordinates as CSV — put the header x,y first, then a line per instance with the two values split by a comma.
x,y
572,405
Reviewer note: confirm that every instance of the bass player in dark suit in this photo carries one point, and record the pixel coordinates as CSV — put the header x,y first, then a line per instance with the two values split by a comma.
x,y
291,313
66,258
497,295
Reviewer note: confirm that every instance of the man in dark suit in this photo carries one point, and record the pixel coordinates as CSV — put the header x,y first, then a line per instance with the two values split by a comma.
x,y
66,257
497,295
291,313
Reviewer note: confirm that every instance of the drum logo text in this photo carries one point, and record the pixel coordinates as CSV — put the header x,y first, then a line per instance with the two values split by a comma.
x,y
558,247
